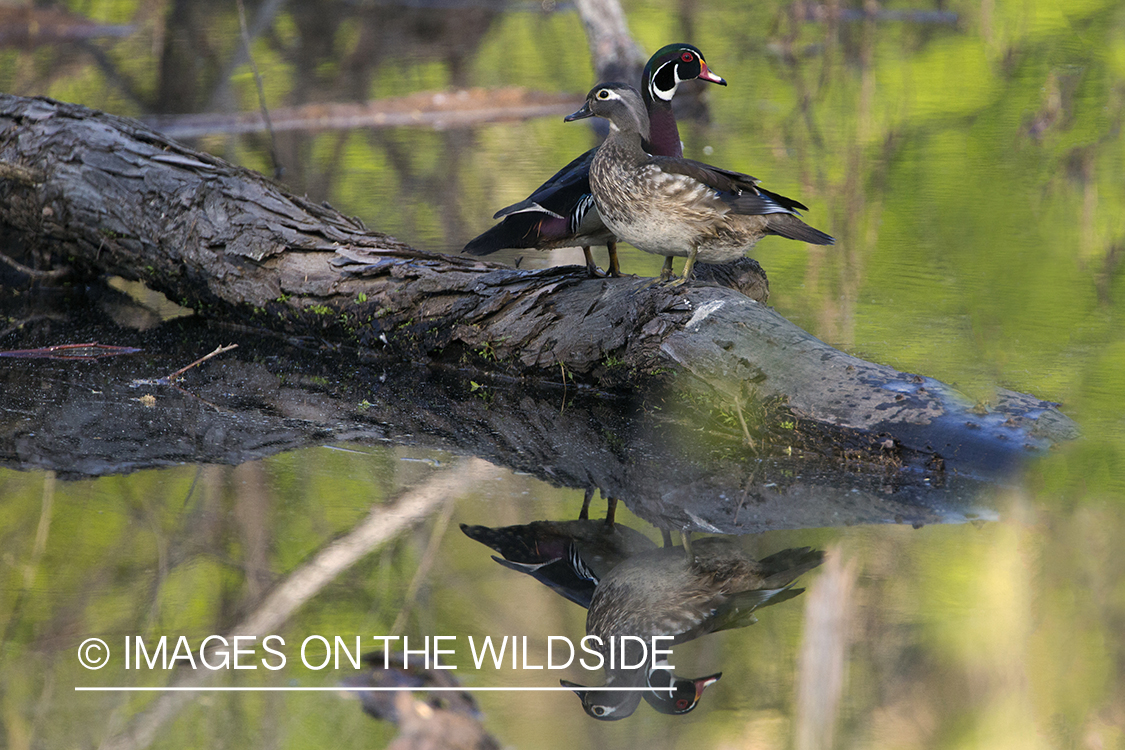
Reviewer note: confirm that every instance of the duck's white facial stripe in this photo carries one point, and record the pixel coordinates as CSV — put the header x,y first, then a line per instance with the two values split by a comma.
x,y
659,93
609,95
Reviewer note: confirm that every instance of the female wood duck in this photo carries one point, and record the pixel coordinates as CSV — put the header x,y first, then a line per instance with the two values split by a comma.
x,y
671,592
666,692
672,206
561,213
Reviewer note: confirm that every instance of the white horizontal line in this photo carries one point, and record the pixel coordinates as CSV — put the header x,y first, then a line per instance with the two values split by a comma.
x,y
343,689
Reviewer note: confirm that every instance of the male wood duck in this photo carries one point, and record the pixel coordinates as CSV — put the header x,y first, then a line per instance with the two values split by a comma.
x,y
672,206
671,694
569,557
561,213
672,592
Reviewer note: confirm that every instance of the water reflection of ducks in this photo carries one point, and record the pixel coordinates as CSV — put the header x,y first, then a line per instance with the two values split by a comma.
x,y
667,693
669,592
570,557
671,694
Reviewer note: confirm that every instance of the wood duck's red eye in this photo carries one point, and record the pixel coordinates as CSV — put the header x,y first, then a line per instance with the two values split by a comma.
x,y
681,704
687,57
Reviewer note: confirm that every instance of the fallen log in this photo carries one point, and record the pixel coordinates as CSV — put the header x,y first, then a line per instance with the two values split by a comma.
x,y
673,466
107,195
439,110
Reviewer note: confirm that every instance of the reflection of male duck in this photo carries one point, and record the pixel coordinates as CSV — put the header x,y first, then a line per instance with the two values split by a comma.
x,y
633,588
670,694
569,557
668,592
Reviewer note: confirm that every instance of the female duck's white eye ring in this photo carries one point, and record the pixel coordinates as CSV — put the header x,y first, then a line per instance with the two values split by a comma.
x,y
603,94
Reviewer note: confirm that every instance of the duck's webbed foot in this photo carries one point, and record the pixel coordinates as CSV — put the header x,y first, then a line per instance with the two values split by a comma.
x,y
614,264
591,266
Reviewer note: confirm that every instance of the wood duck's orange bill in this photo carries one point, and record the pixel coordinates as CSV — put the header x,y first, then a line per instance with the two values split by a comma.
x,y
705,74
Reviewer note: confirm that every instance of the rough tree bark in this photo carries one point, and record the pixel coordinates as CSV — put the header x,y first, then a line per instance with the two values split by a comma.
x,y
108,195
670,465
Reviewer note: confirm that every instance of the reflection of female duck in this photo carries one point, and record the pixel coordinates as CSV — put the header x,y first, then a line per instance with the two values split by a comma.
x,y
663,592
667,592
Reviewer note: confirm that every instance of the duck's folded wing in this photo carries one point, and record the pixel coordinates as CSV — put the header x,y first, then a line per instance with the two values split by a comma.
x,y
720,180
739,191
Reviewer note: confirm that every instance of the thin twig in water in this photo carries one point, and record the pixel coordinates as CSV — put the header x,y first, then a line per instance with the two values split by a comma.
x,y
750,480
278,170
70,351
54,273
268,616
562,368
438,533
172,376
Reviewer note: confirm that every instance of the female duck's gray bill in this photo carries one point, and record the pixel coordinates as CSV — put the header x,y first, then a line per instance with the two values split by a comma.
x,y
581,114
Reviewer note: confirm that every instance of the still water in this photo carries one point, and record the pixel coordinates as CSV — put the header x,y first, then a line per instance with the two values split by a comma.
x,y
968,158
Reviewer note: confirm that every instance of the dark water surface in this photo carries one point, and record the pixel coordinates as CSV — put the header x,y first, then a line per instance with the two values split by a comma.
x,y
967,156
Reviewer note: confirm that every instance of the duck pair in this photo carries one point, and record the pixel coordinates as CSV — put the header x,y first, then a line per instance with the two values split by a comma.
x,y
631,587
637,187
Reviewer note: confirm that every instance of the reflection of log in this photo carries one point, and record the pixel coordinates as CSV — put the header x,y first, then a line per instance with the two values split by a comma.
x,y
110,196
448,109
30,26
263,398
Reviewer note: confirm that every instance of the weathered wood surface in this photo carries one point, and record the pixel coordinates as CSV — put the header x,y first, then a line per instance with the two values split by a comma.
x,y
107,195
669,465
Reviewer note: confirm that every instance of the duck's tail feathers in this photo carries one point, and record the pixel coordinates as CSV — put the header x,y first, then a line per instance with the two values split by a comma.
x,y
790,227
497,238
784,567
787,203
